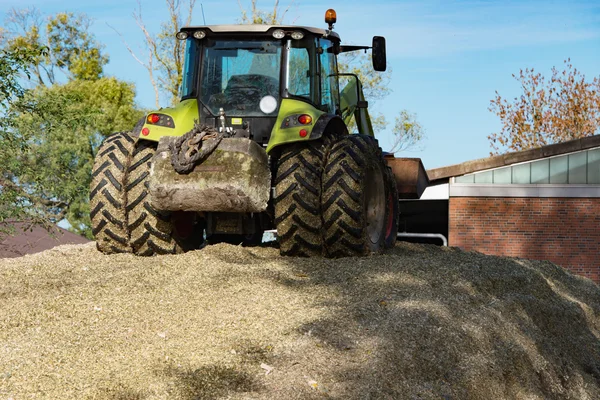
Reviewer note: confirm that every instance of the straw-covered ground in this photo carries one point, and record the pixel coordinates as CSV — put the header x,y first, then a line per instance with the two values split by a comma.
x,y
420,322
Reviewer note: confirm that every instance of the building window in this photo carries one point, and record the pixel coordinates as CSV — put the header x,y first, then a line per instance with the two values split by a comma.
x,y
576,168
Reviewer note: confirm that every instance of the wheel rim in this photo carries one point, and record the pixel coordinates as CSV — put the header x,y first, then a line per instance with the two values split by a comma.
x,y
375,204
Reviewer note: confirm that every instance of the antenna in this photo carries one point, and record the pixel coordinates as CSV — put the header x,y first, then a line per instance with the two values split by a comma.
x,y
202,8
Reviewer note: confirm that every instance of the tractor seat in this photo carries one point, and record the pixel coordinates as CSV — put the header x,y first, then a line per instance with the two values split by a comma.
x,y
250,88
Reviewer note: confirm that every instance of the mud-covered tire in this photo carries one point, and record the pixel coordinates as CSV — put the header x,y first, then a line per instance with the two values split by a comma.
x,y
123,221
393,209
297,199
108,195
151,231
355,199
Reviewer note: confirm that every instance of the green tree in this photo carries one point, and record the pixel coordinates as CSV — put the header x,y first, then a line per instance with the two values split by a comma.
x,y
261,17
49,139
60,128
13,63
408,132
550,110
70,48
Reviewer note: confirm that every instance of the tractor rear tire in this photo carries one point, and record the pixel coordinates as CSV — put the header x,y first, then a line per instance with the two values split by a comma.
x,y
297,199
151,231
108,195
123,221
356,198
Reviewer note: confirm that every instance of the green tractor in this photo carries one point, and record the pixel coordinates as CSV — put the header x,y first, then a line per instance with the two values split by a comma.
x,y
259,141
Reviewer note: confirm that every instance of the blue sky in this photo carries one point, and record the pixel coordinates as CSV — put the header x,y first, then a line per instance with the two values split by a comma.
x,y
447,57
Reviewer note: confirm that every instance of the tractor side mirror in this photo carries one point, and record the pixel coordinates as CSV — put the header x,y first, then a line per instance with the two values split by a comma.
x,y
379,57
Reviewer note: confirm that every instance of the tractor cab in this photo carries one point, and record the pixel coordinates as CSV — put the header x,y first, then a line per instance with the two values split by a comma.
x,y
255,80
241,75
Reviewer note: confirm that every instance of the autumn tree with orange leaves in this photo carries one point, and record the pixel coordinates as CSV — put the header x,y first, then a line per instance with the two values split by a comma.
x,y
554,110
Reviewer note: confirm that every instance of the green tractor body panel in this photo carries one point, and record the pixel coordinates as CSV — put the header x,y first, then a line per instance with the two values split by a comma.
x,y
174,121
350,98
288,129
230,70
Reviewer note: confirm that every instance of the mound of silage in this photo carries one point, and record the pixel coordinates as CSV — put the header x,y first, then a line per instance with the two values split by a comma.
x,y
420,322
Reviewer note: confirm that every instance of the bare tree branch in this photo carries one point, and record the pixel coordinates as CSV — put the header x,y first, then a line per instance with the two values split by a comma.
x,y
149,67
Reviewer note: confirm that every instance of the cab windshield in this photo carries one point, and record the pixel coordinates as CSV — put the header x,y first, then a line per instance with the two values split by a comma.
x,y
239,76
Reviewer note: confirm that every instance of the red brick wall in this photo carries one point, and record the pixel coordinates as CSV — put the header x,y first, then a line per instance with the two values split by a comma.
x,y
565,231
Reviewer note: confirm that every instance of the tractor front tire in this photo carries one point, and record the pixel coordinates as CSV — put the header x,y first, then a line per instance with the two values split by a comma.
x,y
108,195
356,198
297,199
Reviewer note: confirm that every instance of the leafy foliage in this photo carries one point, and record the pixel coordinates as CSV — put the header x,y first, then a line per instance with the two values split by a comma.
x,y
73,47
408,132
49,134
262,17
58,130
553,110
12,64
70,47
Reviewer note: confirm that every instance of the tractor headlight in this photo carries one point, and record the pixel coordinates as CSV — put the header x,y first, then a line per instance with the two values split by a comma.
x,y
182,35
297,35
199,34
268,104
278,34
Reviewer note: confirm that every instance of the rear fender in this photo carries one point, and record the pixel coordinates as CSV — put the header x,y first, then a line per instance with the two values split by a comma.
x,y
287,129
174,121
328,123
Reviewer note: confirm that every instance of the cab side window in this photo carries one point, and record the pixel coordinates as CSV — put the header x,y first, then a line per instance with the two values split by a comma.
x,y
299,70
330,91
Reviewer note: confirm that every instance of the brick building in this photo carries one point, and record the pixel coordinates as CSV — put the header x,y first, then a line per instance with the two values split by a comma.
x,y
541,204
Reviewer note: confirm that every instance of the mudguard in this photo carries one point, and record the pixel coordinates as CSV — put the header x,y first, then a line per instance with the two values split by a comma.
x,y
328,122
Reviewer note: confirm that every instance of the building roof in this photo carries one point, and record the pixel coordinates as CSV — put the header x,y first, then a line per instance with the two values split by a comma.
x,y
514,158
26,240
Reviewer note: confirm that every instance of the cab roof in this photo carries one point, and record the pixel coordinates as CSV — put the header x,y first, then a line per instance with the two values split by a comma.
x,y
241,28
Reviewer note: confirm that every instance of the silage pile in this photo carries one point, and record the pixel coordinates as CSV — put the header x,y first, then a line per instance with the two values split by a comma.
x,y
420,322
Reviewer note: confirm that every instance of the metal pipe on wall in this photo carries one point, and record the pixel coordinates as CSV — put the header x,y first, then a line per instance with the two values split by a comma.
x,y
425,235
